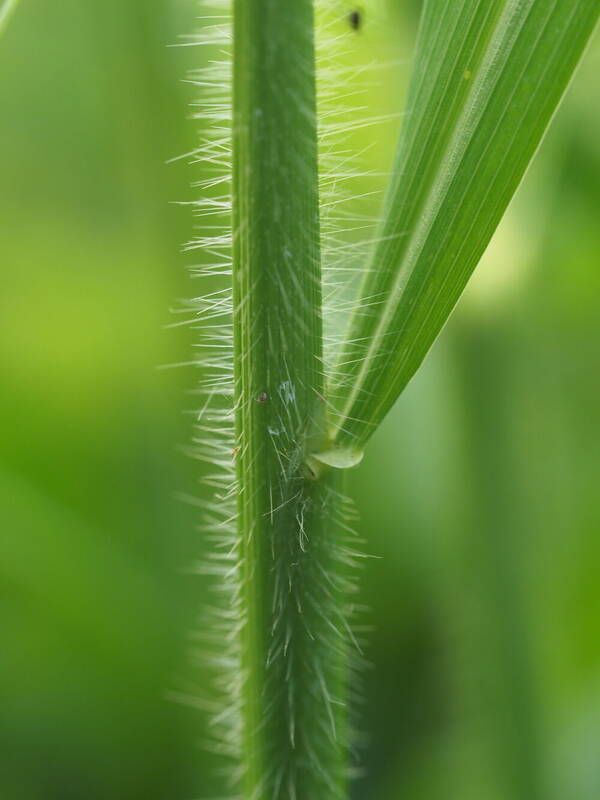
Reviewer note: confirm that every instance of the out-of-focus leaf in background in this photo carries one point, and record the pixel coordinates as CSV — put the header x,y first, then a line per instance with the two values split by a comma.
x,y
7,9
479,492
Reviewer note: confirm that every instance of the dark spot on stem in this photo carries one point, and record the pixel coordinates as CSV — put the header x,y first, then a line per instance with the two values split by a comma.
x,y
262,398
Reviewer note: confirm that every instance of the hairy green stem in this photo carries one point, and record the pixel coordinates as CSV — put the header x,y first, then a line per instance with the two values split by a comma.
x,y
293,645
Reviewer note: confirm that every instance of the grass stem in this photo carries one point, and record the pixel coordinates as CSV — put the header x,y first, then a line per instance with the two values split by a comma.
x,y
293,642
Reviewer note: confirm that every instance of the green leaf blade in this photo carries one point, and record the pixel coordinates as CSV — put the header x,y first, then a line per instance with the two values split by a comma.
x,y
488,78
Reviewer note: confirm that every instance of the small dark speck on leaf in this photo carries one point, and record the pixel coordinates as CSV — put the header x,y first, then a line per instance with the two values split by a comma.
x,y
262,398
355,20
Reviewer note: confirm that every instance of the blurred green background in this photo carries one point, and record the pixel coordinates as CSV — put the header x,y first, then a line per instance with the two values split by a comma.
x,y
480,493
